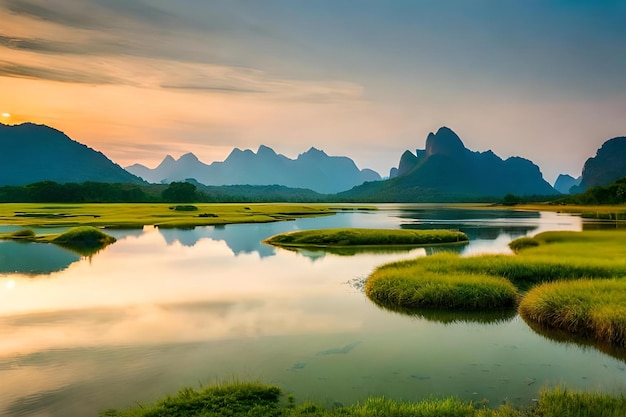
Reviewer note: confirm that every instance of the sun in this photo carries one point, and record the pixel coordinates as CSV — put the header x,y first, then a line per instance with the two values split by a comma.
x,y
6,114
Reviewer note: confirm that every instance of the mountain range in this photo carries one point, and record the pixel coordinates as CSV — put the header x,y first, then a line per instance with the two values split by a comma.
x,y
32,153
313,169
447,171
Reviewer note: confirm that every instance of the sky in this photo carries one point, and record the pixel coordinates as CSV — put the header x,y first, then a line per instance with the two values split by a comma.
x,y
368,79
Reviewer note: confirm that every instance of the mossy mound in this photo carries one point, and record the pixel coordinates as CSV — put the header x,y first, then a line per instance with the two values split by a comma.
x,y
346,237
26,234
85,240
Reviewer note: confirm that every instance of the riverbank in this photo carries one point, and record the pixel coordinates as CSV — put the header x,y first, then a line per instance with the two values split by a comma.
x,y
259,400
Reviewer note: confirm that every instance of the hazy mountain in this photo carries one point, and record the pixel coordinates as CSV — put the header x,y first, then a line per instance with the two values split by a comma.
x,y
31,153
565,182
608,165
447,171
313,169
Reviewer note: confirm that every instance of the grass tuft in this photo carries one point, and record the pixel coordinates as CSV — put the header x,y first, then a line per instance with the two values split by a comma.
x,y
522,243
593,309
408,285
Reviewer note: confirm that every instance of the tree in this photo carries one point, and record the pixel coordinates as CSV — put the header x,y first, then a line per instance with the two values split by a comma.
x,y
180,192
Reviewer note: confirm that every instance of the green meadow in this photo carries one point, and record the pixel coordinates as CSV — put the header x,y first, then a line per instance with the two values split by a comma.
x,y
137,215
254,399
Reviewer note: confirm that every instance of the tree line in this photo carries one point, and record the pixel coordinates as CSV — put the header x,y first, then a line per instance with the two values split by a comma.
x,y
176,192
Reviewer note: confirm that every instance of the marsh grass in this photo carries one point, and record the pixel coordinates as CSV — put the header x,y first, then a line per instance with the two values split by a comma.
x,y
137,215
408,285
523,243
579,281
560,402
593,309
235,399
258,400
355,237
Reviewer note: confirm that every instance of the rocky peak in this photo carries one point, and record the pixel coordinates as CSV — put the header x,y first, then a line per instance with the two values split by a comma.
x,y
444,142
265,151
188,158
408,161
166,162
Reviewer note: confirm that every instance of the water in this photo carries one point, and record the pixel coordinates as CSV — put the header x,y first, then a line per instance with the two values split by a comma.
x,y
163,309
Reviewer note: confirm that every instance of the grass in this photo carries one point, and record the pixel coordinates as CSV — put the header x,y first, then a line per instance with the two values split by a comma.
x,y
354,237
84,240
575,282
258,400
137,215
594,309
409,285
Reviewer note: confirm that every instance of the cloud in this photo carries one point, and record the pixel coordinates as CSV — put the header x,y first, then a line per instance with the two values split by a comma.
x,y
8,69
89,14
237,80
47,46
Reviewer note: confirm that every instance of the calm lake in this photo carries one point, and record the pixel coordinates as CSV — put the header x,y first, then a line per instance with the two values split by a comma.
x,y
163,309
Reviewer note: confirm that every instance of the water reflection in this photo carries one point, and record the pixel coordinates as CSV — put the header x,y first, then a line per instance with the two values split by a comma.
x,y
34,258
567,338
449,317
318,253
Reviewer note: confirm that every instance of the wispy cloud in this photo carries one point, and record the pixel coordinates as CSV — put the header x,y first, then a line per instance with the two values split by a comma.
x,y
89,14
8,69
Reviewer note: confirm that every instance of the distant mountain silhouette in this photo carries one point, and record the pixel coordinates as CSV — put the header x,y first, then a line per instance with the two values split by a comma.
x,y
313,169
608,165
447,171
565,182
31,153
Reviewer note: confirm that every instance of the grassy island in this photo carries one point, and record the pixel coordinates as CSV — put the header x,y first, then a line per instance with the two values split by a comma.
x,y
84,240
253,399
354,237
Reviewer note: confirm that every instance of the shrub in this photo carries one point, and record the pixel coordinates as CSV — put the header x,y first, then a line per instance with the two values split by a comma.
x,y
184,208
23,234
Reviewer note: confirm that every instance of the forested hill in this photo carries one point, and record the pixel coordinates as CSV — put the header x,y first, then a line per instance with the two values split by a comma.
x,y
30,153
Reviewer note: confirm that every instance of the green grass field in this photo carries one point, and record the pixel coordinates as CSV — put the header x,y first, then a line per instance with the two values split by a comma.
x,y
258,400
129,215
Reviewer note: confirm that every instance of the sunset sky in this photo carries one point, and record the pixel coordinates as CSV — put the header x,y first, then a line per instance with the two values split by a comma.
x,y
139,79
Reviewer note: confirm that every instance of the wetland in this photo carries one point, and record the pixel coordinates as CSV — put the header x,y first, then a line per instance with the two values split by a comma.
x,y
162,308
